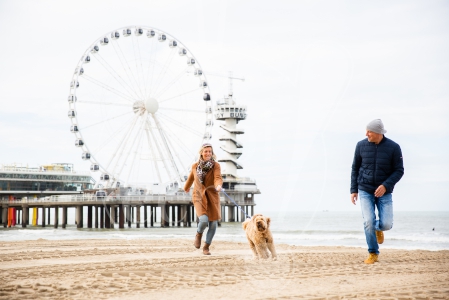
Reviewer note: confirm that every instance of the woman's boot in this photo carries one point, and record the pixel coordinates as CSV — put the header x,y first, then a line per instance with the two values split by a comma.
x,y
206,249
197,242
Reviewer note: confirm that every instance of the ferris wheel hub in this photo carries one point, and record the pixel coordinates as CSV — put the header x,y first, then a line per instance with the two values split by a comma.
x,y
151,105
139,107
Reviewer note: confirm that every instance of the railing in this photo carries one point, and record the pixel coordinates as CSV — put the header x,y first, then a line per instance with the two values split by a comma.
x,y
36,170
112,199
239,179
88,198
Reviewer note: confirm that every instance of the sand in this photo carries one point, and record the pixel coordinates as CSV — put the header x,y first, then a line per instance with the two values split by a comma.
x,y
174,269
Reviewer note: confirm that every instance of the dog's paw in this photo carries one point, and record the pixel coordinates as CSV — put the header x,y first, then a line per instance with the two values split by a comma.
x,y
274,258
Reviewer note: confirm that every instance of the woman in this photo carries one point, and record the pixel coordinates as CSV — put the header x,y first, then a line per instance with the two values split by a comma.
x,y
206,179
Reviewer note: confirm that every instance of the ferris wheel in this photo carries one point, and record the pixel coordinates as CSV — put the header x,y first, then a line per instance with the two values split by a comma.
x,y
140,108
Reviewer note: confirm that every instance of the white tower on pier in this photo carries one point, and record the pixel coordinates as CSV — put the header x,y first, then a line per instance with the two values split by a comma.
x,y
231,113
241,189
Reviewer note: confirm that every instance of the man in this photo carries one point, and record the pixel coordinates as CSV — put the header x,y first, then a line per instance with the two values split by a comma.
x,y
376,168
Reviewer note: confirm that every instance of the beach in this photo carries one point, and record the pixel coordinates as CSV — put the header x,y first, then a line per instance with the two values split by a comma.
x,y
173,268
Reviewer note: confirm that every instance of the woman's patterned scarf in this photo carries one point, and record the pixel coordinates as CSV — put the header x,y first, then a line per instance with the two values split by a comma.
x,y
204,167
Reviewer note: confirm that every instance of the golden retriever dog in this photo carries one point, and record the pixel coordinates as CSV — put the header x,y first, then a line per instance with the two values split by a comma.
x,y
259,236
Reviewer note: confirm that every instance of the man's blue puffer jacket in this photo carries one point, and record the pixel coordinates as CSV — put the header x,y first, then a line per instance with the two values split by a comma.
x,y
374,165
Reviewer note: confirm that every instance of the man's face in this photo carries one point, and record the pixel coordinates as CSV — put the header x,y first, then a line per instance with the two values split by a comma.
x,y
374,137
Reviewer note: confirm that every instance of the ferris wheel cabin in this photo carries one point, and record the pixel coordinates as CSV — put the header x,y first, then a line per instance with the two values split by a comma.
x,y
151,33
138,31
94,167
104,41
115,35
172,44
79,142
95,49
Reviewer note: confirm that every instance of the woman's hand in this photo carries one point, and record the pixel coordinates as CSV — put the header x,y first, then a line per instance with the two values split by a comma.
x,y
218,188
187,190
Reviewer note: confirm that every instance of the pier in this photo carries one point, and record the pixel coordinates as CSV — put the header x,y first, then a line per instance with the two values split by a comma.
x,y
112,211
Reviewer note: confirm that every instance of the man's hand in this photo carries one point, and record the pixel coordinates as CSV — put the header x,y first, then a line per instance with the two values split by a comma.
x,y
380,191
354,198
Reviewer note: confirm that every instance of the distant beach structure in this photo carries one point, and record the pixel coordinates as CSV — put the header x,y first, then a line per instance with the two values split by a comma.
x,y
240,189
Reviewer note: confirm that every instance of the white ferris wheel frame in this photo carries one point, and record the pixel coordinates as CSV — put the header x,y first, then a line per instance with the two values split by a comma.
x,y
108,178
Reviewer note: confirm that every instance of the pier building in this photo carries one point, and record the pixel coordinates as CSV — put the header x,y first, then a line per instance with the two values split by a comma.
x,y
55,179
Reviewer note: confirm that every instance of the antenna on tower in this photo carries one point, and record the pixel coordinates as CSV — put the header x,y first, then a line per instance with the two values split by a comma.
x,y
230,77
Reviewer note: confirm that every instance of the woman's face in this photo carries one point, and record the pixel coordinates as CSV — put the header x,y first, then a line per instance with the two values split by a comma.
x,y
207,153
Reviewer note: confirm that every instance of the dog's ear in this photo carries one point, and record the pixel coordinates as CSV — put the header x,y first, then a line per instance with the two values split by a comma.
x,y
244,224
268,221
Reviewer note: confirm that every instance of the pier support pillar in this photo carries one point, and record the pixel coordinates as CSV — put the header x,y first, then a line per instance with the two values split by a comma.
x,y
102,208
121,216
189,216
231,217
128,215
96,216
43,216
164,217
79,214
132,215
145,216
167,216
155,214
48,221
24,215
89,216
138,216
5,216
183,215
113,216
56,222
152,216
64,216
107,216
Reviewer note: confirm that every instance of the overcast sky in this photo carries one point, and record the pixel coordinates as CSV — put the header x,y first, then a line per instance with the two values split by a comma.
x,y
316,72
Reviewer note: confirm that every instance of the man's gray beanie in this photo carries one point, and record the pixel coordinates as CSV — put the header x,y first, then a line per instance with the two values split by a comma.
x,y
376,126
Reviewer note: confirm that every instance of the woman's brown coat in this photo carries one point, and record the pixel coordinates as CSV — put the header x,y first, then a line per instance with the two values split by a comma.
x,y
204,196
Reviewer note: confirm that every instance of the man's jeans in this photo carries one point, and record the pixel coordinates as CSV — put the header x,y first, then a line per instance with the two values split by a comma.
x,y
384,206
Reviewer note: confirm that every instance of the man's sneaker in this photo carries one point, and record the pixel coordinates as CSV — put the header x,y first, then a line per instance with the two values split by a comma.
x,y
372,258
380,237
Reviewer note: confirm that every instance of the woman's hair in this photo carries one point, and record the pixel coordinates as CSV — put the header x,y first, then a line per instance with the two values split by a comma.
x,y
203,146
